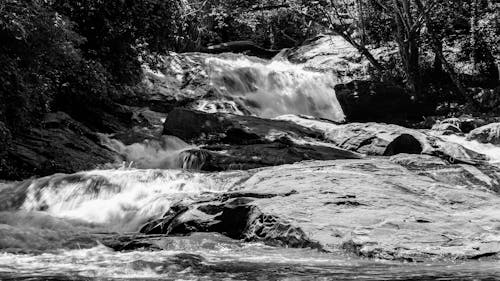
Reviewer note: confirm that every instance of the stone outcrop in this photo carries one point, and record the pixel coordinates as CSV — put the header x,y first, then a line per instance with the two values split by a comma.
x,y
378,139
246,142
63,145
201,127
364,101
409,207
387,140
486,134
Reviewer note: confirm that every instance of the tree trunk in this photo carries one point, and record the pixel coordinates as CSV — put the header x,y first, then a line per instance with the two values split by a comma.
x,y
438,64
362,27
408,46
363,50
474,34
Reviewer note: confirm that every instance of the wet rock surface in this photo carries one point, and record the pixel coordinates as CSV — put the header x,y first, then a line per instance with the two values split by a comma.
x,y
487,134
407,207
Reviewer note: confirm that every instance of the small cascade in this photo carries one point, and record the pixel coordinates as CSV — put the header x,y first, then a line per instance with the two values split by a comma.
x,y
164,153
269,89
120,199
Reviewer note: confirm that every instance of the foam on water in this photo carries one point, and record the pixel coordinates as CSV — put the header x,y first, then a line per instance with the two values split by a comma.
x,y
211,257
270,89
121,199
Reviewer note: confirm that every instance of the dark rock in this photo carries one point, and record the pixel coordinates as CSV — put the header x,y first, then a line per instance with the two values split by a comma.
x,y
201,127
246,142
486,134
488,99
168,217
61,145
236,218
364,101
244,157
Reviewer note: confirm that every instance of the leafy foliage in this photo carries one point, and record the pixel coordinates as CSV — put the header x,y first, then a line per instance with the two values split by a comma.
x,y
76,56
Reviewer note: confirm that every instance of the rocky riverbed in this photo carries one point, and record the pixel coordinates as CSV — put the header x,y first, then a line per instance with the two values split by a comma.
x,y
275,157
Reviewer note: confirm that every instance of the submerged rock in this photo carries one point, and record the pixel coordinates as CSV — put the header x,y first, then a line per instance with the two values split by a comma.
x,y
409,207
486,134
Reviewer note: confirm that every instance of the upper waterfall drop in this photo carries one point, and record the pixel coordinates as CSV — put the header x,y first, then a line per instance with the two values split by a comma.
x,y
273,88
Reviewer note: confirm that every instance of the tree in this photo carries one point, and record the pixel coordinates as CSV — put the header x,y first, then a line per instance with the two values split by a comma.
x,y
408,21
337,17
37,48
114,30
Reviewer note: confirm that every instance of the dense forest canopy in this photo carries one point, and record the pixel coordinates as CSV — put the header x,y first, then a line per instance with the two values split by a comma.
x,y
78,56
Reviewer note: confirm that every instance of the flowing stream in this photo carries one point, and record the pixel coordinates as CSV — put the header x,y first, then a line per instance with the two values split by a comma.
x,y
50,233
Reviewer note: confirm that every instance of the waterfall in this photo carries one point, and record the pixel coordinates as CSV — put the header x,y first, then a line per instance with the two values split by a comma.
x,y
270,88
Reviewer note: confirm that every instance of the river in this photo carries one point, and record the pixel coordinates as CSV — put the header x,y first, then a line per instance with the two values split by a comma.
x,y
49,228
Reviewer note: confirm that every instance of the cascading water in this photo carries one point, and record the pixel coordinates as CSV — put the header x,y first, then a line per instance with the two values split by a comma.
x,y
121,200
165,153
270,89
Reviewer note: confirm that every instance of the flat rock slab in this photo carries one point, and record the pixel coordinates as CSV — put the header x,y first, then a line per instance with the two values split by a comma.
x,y
407,208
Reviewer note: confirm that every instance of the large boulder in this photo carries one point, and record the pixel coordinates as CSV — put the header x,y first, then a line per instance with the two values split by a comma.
x,y
201,127
410,207
246,142
63,145
373,101
378,139
486,134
